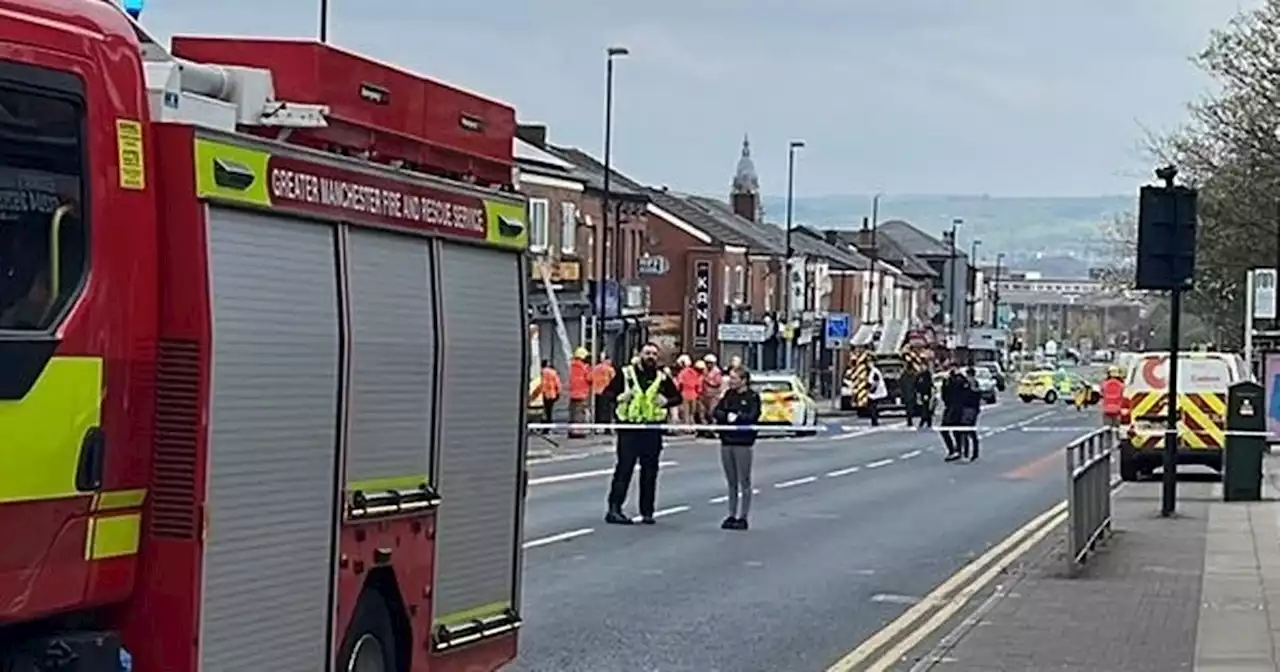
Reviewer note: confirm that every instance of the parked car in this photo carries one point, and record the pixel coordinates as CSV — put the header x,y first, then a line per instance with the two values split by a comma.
x,y
986,384
785,401
996,371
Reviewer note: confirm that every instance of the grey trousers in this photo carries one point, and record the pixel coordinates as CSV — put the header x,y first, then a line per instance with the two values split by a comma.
x,y
736,461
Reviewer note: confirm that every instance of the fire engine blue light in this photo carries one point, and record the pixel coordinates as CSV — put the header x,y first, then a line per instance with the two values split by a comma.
x,y
134,7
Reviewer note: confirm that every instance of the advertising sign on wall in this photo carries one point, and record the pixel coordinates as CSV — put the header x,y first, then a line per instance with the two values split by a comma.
x,y
1272,384
702,304
1263,286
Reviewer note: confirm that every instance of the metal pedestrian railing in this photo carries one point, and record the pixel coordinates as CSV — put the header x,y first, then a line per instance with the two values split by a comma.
x,y
1089,487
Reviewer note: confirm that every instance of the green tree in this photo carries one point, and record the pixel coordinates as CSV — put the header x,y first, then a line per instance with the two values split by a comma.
x,y
1229,149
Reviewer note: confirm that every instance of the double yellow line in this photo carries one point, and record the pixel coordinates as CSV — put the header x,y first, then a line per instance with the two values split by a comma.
x,y
876,655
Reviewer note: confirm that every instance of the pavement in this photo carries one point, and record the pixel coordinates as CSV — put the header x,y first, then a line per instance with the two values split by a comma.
x,y
1199,591
850,529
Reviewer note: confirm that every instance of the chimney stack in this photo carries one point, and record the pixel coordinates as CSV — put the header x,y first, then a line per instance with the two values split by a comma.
x,y
534,134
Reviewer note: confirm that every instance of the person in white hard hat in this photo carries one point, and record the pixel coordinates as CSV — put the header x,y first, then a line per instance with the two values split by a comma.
x,y
689,380
712,386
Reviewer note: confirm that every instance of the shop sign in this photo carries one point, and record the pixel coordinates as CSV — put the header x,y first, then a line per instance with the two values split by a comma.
x,y
702,304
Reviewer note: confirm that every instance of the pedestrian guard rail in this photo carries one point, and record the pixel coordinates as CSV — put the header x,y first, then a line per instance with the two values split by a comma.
x,y
1089,486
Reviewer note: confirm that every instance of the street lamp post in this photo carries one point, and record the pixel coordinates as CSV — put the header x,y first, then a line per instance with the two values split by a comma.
x,y
995,293
791,188
324,20
972,272
875,315
951,285
597,331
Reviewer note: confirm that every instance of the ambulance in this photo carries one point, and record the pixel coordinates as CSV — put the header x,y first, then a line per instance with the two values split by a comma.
x,y
1204,379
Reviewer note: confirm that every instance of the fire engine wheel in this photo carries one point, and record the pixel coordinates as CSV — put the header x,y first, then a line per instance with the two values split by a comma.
x,y
1051,397
370,644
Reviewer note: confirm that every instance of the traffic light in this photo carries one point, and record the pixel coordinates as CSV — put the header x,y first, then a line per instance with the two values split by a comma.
x,y
1166,257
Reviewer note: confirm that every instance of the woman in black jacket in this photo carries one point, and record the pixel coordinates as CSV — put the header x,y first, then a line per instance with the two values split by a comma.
x,y
740,405
970,408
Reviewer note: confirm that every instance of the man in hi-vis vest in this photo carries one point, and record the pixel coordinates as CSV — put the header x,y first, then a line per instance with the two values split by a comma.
x,y
643,395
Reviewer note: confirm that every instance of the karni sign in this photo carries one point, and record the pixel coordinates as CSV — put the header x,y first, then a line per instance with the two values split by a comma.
x,y
702,304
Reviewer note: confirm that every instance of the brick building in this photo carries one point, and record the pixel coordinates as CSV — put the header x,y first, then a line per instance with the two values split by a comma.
x,y
559,244
609,255
725,287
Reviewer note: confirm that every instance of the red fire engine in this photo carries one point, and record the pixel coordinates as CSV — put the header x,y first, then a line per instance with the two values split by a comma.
x,y
237,430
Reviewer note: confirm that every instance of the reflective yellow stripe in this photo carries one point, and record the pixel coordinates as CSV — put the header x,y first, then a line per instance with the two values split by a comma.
x,y
113,536
119,499
474,614
1213,433
42,433
410,482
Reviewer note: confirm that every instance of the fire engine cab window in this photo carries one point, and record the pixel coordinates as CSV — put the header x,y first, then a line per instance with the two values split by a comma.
x,y
42,237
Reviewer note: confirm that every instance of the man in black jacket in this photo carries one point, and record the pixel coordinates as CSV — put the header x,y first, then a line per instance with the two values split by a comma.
x,y
907,392
955,394
923,394
633,401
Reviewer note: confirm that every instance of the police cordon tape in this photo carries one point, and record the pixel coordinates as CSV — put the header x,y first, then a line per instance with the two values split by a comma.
x,y
560,427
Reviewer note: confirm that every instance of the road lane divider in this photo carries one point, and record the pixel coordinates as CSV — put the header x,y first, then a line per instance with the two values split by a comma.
x,y
880,463
910,454
579,475
556,538
663,513
794,482
945,591
724,498
843,472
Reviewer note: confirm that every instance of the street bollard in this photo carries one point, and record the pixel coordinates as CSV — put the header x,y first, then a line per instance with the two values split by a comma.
x,y
1245,444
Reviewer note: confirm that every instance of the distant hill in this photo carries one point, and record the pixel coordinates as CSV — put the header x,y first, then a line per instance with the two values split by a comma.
x,y
1056,236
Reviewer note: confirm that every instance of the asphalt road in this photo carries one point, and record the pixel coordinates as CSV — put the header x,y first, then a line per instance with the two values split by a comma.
x,y
848,529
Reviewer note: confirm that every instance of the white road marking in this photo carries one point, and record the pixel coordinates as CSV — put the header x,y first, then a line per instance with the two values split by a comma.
x,y
662,513
880,463
565,458
794,483
843,472
579,475
724,498
909,455
563,536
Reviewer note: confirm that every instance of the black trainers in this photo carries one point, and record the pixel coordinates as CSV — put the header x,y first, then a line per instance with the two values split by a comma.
x,y
740,524
729,523
951,457
647,520
616,518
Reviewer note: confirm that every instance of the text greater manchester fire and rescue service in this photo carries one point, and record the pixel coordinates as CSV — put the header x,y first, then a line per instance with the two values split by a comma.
x,y
292,185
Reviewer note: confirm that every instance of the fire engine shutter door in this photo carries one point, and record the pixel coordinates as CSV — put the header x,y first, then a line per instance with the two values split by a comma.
x,y
268,563
479,468
393,344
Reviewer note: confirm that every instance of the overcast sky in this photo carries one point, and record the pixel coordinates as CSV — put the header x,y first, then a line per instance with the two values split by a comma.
x,y
1002,97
